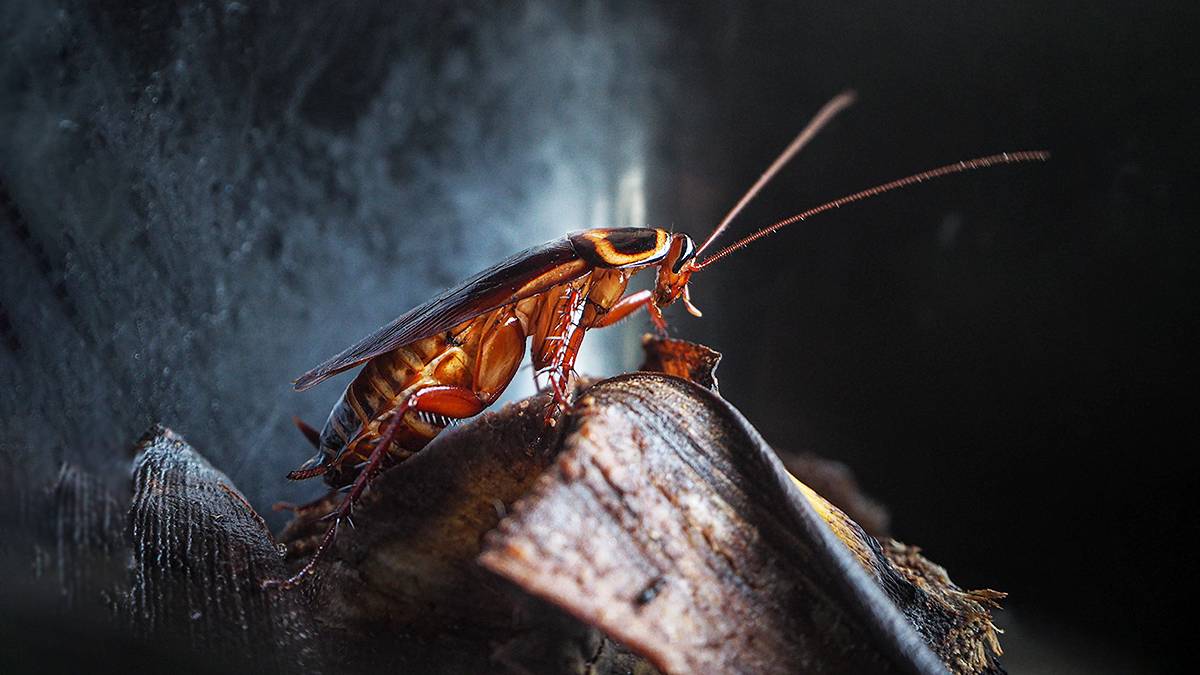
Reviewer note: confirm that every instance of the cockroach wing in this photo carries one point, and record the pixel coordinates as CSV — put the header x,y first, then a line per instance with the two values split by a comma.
x,y
521,276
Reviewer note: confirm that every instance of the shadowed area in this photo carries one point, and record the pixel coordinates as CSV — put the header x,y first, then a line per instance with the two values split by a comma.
x,y
200,200
652,527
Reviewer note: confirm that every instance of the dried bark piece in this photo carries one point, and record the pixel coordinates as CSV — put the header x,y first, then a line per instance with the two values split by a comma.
x,y
670,525
688,360
956,623
404,590
199,554
661,519
555,643
834,481
409,564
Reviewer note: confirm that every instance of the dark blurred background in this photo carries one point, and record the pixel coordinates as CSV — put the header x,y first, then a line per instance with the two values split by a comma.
x,y
203,199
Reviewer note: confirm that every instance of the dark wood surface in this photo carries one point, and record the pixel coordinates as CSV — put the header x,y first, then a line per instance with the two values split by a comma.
x,y
666,522
651,529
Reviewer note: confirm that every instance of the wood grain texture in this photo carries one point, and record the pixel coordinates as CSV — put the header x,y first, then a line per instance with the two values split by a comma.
x,y
669,524
199,554
403,588
651,529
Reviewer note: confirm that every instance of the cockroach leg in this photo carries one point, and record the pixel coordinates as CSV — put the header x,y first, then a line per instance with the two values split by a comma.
x,y
442,400
656,317
343,510
301,510
560,400
630,304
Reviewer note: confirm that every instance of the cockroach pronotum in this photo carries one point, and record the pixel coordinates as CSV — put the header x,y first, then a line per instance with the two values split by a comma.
x,y
452,357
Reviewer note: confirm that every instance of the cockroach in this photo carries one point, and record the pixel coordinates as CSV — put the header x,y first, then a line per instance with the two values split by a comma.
x,y
453,356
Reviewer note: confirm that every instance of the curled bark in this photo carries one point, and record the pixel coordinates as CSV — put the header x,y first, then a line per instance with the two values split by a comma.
x,y
651,529
667,523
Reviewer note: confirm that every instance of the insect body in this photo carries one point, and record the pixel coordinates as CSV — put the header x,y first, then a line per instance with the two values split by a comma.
x,y
453,356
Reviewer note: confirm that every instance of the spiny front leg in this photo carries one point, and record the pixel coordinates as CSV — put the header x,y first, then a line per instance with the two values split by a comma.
x,y
630,304
558,377
456,402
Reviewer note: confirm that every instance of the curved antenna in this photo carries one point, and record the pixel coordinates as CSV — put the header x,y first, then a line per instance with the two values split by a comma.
x,y
957,167
823,116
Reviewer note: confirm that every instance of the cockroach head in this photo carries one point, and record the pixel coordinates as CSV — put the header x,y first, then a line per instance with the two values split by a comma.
x,y
675,271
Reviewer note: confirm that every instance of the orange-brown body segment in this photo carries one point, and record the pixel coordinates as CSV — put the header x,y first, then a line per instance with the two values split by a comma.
x,y
480,356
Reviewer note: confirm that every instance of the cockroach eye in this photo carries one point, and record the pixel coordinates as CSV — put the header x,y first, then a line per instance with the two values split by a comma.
x,y
689,252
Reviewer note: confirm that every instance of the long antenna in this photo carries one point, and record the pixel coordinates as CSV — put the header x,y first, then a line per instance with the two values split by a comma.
x,y
957,167
823,116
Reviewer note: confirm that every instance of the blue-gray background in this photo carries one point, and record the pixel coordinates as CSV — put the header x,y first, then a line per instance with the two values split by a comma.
x,y
202,199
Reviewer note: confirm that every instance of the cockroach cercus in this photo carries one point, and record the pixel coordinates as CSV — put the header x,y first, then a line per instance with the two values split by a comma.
x,y
453,356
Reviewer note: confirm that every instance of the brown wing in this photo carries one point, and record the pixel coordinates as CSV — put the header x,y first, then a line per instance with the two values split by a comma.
x,y
524,274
